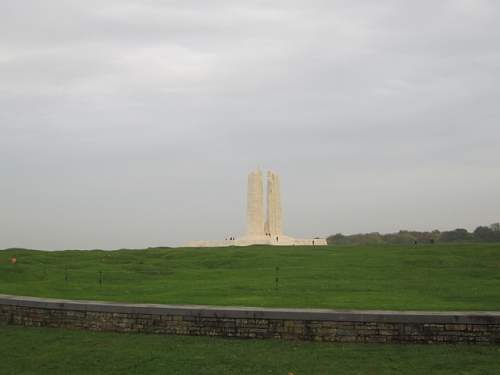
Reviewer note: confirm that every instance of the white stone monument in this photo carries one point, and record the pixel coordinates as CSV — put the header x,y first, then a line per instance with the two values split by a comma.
x,y
260,231
274,223
255,207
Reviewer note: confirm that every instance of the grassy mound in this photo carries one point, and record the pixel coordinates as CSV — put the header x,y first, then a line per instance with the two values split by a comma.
x,y
423,277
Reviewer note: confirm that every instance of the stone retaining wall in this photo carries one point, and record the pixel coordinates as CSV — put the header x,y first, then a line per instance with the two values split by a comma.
x,y
293,324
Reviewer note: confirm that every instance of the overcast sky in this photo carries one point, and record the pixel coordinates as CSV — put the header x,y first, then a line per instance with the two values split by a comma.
x,y
135,123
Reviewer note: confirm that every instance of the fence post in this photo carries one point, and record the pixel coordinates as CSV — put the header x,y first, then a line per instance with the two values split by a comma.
x,y
277,279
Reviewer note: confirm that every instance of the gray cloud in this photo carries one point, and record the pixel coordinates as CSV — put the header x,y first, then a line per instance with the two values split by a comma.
x,y
132,124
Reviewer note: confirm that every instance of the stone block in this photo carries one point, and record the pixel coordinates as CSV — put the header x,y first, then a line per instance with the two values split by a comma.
x,y
455,327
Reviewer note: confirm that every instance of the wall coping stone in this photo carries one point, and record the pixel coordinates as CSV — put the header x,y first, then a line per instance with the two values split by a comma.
x,y
418,317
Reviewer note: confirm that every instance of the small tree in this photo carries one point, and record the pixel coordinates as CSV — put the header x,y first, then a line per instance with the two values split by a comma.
x,y
495,227
337,239
458,234
483,234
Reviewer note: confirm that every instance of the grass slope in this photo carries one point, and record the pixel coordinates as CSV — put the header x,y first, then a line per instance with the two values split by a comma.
x,y
56,351
423,277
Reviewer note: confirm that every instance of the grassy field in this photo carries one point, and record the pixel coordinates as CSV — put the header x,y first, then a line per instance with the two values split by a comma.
x,y
423,277
56,351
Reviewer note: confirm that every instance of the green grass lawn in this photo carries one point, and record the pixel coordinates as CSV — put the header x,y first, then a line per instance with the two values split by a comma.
x,y
423,277
58,351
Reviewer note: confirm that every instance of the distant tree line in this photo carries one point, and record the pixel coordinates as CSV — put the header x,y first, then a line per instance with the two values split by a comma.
x,y
482,233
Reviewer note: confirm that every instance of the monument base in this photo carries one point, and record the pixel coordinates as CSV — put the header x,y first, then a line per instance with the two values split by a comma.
x,y
260,240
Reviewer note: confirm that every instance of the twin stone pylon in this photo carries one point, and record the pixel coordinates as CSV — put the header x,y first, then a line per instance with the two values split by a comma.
x,y
273,225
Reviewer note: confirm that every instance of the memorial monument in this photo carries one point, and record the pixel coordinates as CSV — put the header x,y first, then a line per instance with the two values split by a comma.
x,y
260,230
